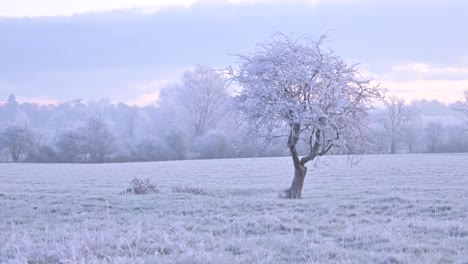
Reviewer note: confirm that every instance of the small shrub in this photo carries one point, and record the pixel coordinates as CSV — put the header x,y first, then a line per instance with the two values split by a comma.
x,y
191,190
139,186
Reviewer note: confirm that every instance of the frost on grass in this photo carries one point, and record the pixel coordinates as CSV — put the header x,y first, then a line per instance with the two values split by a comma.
x,y
387,209
139,186
188,189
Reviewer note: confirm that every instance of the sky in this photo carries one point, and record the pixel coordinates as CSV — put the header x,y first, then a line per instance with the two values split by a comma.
x,y
127,50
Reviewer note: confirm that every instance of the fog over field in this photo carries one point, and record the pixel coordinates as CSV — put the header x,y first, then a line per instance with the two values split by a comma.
x,y
67,133
387,209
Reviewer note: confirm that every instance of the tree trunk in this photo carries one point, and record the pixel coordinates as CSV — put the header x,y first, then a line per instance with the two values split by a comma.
x,y
393,147
300,170
14,156
295,191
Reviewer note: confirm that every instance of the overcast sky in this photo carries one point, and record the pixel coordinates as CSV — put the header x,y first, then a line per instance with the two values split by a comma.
x,y
125,50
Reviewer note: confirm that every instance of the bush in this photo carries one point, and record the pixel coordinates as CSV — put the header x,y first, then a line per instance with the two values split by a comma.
x,y
138,186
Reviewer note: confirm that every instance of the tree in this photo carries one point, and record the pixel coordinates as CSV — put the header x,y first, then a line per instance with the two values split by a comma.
x,y
98,139
91,142
462,108
203,96
176,143
398,120
18,139
10,109
294,89
457,140
71,146
411,133
434,133
12,100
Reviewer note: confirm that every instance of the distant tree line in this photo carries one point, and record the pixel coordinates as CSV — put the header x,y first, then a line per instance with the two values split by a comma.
x,y
420,127
195,119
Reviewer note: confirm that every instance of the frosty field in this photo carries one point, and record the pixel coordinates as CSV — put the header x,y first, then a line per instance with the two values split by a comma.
x,y
387,209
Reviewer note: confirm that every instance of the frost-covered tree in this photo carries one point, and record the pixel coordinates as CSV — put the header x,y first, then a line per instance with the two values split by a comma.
x,y
434,133
8,111
91,142
462,108
98,139
293,88
18,139
457,139
177,144
130,124
71,146
411,134
397,120
203,96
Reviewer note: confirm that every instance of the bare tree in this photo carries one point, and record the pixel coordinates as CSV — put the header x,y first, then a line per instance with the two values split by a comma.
x,y
398,118
457,138
98,139
177,144
91,142
462,108
204,97
18,139
71,146
434,132
411,134
10,109
129,118
294,89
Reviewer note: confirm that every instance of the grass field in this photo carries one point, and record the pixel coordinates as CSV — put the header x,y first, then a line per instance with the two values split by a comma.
x,y
387,209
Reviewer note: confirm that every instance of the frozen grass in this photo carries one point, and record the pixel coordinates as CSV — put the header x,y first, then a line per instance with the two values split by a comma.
x,y
388,209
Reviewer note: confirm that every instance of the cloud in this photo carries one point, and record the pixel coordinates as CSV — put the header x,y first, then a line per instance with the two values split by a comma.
x,y
446,91
40,100
148,93
415,81
41,8
113,54
38,8
145,99
423,71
